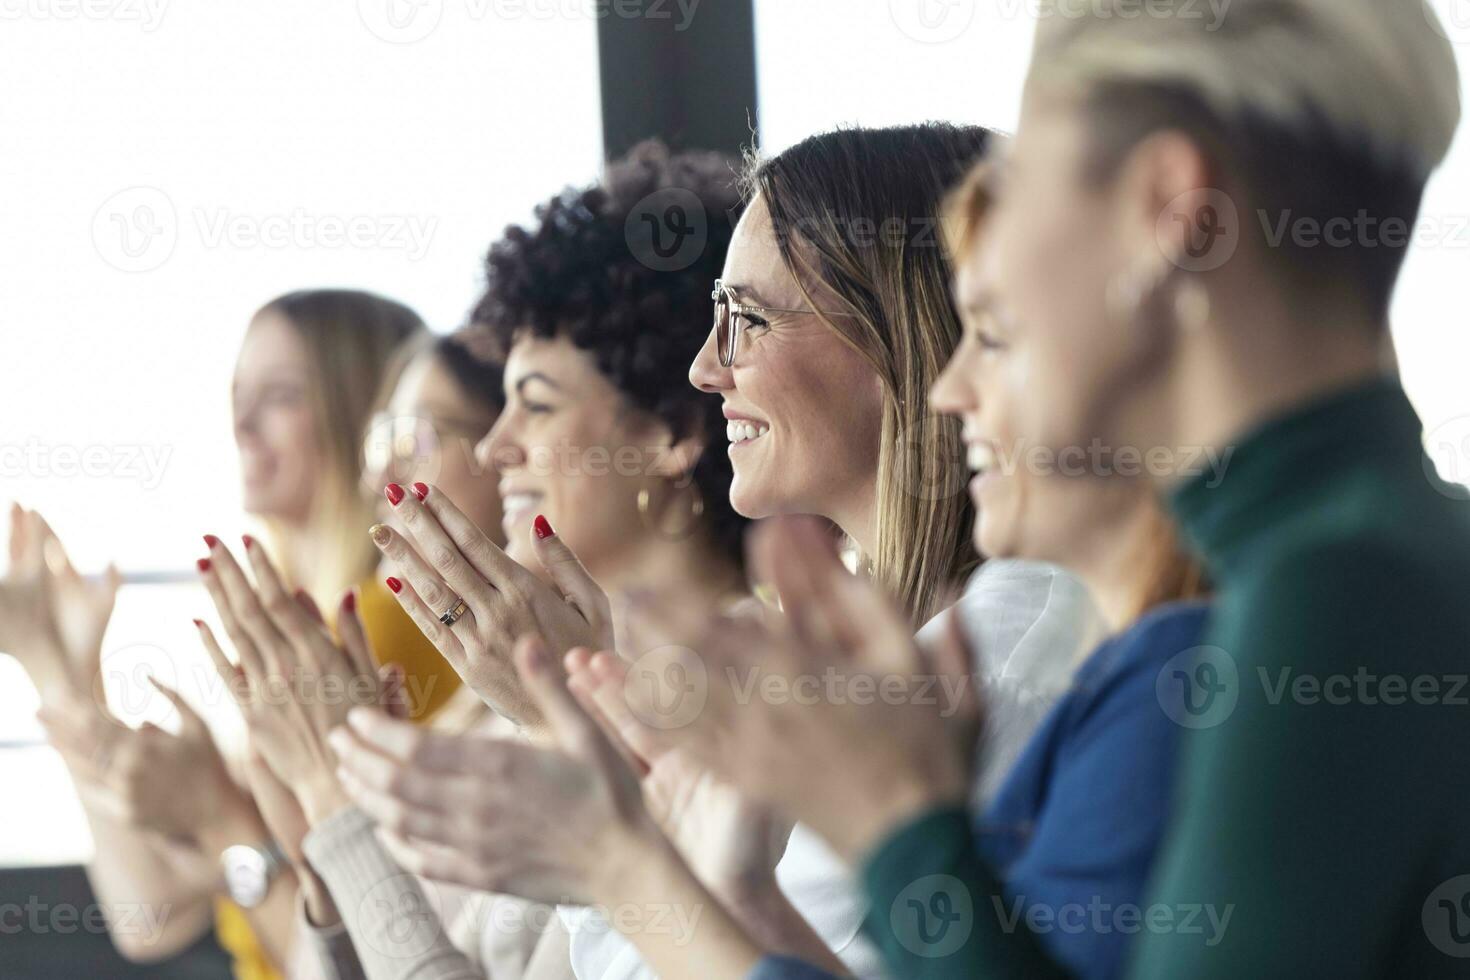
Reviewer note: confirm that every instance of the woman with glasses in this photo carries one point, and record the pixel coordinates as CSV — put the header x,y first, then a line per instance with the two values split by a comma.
x,y
832,317
1163,291
602,445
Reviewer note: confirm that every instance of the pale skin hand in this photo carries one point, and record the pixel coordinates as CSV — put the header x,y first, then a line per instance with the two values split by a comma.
x,y
132,775
473,811
445,556
156,847
294,682
476,807
51,618
287,824
853,768
730,842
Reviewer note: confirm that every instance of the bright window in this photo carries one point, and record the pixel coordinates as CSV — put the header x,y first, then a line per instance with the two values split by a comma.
x,y
165,169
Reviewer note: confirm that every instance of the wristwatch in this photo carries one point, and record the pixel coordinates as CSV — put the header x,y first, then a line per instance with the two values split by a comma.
x,y
249,870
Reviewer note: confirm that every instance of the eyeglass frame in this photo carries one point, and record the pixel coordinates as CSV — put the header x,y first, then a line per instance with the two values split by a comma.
x,y
462,428
737,309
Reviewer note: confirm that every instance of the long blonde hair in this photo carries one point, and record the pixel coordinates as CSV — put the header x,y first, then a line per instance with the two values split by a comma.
x,y
857,211
351,338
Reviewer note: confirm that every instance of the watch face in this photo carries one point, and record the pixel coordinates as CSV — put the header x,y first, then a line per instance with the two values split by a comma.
x,y
247,875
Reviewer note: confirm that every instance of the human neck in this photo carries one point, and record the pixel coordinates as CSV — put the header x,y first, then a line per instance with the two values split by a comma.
x,y
687,571
1261,361
1109,562
857,515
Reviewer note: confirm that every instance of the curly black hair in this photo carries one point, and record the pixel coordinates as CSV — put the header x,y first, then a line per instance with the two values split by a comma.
x,y
582,271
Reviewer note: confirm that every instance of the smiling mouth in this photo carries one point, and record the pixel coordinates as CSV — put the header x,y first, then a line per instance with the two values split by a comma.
x,y
740,432
515,506
981,458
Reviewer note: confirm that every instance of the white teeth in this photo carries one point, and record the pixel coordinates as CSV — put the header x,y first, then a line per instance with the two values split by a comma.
x,y
981,457
518,501
740,431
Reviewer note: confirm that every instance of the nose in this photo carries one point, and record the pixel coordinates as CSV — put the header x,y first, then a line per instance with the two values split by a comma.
x,y
243,419
707,373
954,391
499,449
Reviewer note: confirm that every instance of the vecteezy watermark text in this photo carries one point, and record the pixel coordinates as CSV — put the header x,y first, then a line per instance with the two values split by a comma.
x,y
36,459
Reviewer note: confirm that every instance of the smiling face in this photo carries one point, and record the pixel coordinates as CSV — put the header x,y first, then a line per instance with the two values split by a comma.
x,y
274,421
812,403
1060,245
1029,502
570,446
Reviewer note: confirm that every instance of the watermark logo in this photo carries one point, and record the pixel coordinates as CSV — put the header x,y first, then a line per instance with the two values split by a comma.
x,y
1446,917
400,21
667,230
401,916
136,229
932,21
144,464
1199,687
147,14
667,687
933,917
1199,236
1450,18
1447,457
125,681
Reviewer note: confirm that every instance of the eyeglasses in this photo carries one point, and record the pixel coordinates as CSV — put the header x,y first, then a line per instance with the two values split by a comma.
x,y
733,318
395,444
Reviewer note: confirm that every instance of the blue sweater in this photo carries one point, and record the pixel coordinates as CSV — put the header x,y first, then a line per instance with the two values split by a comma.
x,y
1065,849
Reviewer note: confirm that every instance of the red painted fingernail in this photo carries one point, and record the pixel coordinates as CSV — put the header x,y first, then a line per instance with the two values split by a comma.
x,y
421,490
395,585
394,492
349,601
542,527
199,623
210,541
249,541
203,564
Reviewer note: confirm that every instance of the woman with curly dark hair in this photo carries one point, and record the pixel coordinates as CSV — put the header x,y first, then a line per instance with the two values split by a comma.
x,y
614,477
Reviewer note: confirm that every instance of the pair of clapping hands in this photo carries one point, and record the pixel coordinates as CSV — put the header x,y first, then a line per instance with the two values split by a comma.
x,y
621,776
295,679
52,620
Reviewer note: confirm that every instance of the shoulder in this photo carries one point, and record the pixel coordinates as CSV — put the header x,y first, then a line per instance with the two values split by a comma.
x,y
1141,650
1375,578
1023,618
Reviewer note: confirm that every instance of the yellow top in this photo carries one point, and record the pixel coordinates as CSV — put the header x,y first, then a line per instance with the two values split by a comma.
x,y
395,639
429,681
235,937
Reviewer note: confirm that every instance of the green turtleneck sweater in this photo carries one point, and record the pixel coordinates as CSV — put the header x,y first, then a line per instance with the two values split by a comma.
x,y
1321,797
1328,803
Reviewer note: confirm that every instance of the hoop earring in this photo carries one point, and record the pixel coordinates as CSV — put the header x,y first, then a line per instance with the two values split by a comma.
x,y
650,520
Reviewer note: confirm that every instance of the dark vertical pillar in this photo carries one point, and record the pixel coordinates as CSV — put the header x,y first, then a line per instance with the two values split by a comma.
x,y
680,70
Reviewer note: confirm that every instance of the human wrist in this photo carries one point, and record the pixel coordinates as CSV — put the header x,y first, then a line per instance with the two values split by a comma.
x,y
321,911
236,822
636,861
752,888
321,797
865,820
